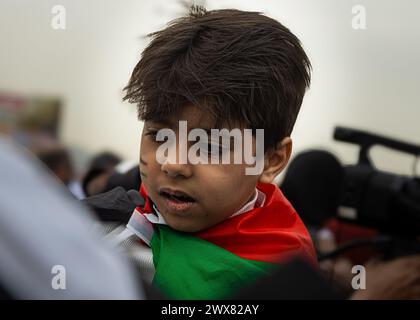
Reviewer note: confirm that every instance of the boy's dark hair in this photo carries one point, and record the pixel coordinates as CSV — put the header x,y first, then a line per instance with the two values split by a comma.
x,y
243,68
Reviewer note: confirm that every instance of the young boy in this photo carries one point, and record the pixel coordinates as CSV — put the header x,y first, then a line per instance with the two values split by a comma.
x,y
211,227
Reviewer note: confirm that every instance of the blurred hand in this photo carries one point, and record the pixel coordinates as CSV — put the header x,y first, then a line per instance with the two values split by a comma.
x,y
338,269
396,279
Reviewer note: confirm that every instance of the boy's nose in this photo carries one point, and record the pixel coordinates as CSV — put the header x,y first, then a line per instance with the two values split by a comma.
x,y
176,170
176,163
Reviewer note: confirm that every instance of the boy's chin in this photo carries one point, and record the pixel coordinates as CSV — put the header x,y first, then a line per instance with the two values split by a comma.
x,y
185,226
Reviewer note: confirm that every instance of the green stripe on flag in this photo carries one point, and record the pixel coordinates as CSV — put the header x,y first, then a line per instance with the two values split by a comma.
x,y
188,267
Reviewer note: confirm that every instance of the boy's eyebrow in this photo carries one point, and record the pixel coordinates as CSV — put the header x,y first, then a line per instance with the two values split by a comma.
x,y
163,122
168,124
207,130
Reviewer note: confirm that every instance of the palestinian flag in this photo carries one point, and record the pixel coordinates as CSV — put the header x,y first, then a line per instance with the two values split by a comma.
x,y
215,263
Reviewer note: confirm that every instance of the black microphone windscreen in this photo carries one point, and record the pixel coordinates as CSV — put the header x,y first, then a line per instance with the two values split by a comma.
x,y
313,184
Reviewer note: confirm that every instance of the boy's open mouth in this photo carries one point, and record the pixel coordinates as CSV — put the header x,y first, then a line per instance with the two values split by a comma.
x,y
178,196
176,200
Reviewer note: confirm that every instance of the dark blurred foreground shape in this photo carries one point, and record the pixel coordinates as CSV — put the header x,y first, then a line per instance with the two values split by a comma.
x,y
41,227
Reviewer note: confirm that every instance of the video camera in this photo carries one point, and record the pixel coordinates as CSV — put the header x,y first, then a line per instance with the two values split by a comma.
x,y
320,187
369,197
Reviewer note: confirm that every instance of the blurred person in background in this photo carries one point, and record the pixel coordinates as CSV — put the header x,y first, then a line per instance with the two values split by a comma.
x,y
100,168
108,171
59,163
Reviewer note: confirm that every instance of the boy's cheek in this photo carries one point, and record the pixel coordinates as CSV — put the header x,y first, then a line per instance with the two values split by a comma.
x,y
147,153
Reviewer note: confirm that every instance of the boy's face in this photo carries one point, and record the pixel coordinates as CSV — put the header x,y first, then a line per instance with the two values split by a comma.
x,y
214,191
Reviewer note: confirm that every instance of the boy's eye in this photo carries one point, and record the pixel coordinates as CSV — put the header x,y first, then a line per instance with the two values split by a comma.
x,y
152,134
214,149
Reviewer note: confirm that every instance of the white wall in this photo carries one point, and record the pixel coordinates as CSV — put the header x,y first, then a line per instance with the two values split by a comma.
x,y
362,78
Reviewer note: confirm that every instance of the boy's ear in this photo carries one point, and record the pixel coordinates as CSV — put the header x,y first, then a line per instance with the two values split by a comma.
x,y
275,160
